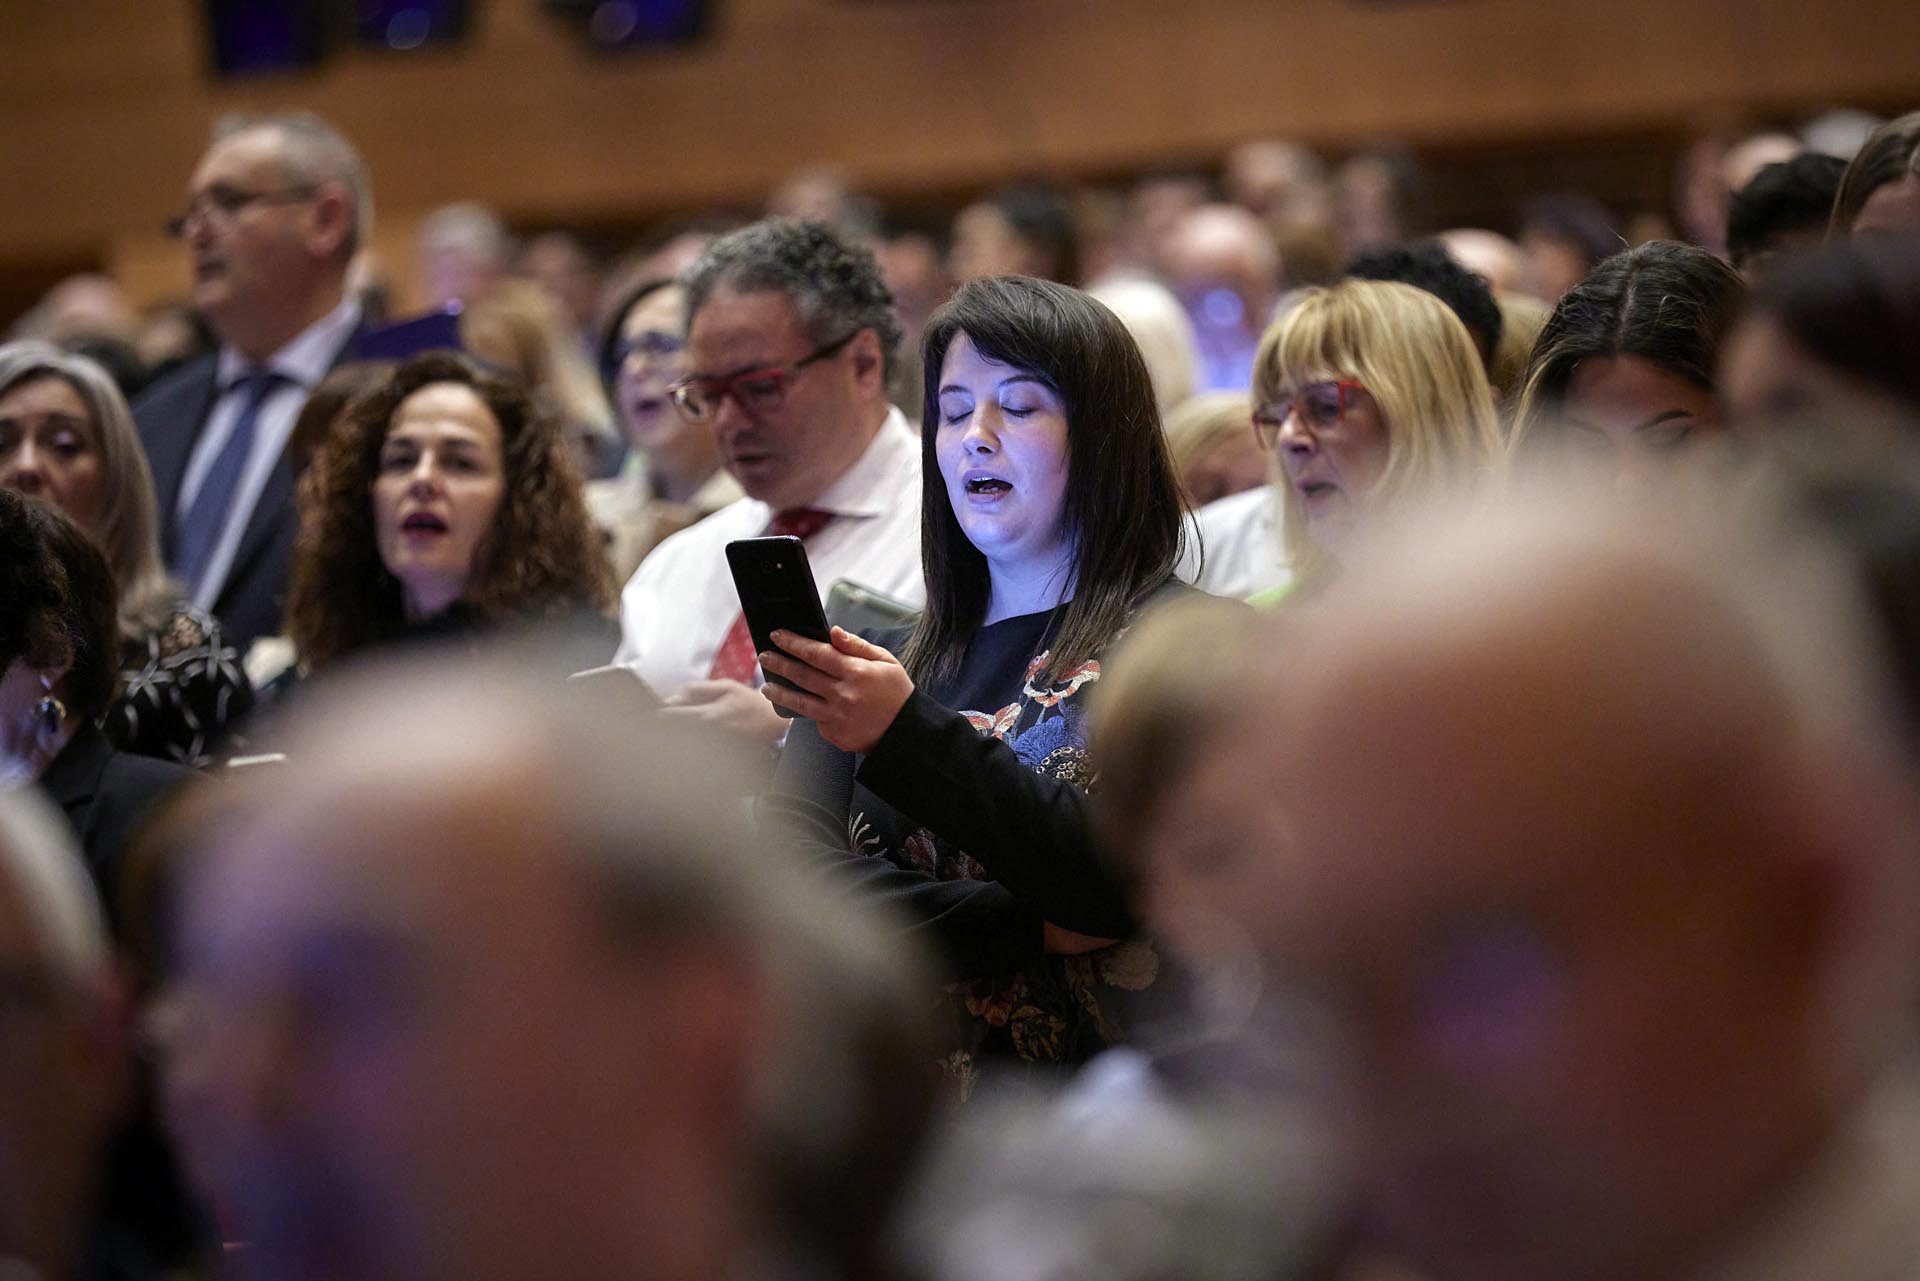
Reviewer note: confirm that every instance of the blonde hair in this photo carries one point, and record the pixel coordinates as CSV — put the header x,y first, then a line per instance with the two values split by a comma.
x,y
1521,320
1416,361
129,529
1200,422
1160,328
517,327
1197,422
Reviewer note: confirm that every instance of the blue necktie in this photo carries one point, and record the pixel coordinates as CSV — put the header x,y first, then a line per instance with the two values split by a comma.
x,y
201,527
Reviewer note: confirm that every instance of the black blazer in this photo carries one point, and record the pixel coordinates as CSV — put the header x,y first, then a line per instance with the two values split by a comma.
x,y
106,795
170,416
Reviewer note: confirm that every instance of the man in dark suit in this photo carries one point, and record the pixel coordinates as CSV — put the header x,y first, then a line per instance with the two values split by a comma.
x,y
275,210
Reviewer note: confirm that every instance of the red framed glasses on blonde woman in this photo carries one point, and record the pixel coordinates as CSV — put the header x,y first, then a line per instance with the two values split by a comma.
x,y
1321,407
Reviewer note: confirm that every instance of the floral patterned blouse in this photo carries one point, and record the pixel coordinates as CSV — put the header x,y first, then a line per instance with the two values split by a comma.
x,y
974,822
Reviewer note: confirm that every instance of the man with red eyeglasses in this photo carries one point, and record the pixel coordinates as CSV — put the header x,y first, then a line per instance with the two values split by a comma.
x,y
790,337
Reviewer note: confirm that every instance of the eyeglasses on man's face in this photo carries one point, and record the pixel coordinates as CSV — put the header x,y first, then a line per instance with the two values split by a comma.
x,y
756,391
1321,407
220,204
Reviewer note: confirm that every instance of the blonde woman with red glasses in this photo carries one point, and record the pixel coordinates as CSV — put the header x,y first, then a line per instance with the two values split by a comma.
x,y
1368,393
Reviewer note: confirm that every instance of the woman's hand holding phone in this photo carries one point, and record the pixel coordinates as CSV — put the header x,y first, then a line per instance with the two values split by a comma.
x,y
852,689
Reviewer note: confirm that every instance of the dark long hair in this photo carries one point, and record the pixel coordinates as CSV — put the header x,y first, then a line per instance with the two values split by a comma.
x,y
541,559
1122,504
1668,303
57,600
1890,155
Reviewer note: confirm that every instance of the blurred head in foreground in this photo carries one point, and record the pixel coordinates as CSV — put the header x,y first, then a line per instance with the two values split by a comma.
x,y
62,1068
1865,492
1158,713
1586,836
493,988
1833,338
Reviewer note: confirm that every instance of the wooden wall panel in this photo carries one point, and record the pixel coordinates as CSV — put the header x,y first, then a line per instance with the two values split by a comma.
x,y
105,104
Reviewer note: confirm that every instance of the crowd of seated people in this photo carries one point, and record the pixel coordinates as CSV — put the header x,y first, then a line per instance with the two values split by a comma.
x,y
1334,748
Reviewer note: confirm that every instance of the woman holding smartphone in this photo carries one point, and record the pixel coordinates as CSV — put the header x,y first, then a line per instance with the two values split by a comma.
x,y
951,780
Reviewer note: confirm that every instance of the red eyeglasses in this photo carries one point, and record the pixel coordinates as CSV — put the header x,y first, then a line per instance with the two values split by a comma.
x,y
1321,407
754,390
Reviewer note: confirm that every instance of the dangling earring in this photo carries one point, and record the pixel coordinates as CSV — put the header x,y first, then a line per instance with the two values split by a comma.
x,y
53,712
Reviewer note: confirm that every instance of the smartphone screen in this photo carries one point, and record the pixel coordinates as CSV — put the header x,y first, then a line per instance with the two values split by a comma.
x,y
777,592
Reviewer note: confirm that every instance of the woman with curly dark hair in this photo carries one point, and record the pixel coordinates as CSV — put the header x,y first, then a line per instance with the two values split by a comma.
x,y
443,504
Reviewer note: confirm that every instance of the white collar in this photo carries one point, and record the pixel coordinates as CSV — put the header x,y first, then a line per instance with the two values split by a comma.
x,y
303,361
871,486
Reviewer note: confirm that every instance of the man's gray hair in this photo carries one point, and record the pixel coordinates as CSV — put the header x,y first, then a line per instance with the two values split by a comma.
x,y
41,865
313,151
835,285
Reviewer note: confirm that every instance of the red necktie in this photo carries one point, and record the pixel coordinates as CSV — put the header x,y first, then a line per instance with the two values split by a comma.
x,y
737,660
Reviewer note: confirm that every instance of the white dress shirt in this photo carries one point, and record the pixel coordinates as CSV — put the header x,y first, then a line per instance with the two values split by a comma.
x,y
680,603
1244,548
302,362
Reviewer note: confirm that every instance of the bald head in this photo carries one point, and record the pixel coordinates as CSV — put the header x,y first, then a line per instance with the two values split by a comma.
x,y
1488,254
275,210
1546,669
1582,833
412,750
473,968
1226,245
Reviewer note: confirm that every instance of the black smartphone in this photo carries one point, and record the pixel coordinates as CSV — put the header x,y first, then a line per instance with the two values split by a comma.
x,y
776,589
